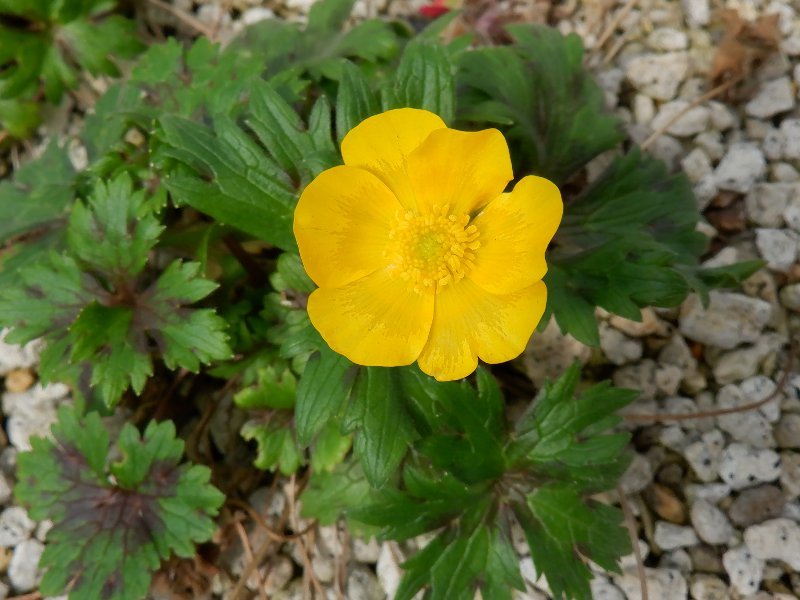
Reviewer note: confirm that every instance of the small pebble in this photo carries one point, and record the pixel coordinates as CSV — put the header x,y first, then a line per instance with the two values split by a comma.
x,y
757,504
742,466
740,168
744,570
778,539
669,536
23,570
730,319
773,97
658,75
710,523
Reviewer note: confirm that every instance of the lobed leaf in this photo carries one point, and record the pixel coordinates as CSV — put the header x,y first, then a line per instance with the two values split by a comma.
x,y
111,533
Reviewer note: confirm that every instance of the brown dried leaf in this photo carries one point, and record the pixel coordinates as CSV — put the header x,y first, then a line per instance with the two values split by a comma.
x,y
743,47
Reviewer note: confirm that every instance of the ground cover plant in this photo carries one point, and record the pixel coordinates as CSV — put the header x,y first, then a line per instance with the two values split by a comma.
x,y
317,227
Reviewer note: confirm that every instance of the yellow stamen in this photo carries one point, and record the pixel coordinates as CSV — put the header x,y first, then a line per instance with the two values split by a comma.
x,y
433,248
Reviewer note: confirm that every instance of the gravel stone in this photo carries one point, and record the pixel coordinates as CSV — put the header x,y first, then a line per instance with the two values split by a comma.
x,y
744,570
669,536
790,474
791,214
740,168
787,431
749,427
15,526
32,412
742,363
755,505
778,539
710,523
766,202
644,109
363,585
698,12
662,584
667,39
784,172
388,568
366,551
778,247
658,75
23,570
703,455
790,128
790,296
550,354
692,122
619,348
742,466
637,476
639,376
773,97
730,319
603,589
13,356
697,165
6,485
708,587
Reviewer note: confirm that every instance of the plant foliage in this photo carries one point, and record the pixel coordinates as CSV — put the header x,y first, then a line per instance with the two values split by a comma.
x,y
114,522
46,45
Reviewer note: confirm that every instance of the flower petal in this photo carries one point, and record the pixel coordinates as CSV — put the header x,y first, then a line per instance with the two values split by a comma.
x,y
342,223
515,230
382,144
375,321
470,322
463,169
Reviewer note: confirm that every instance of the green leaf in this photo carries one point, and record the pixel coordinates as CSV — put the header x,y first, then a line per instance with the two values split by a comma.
x,y
235,181
384,430
114,232
289,275
299,153
629,240
328,16
425,79
455,573
38,196
544,101
560,526
119,357
271,390
330,495
166,507
330,447
322,393
19,117
502,568
185,337
355,100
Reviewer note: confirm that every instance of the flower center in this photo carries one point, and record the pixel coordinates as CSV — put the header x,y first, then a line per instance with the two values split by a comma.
x,y
433,248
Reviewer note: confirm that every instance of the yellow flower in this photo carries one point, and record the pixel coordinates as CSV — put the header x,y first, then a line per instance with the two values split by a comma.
x,y
418,253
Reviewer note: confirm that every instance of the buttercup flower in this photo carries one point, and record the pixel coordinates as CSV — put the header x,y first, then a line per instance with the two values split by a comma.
x,y
418,253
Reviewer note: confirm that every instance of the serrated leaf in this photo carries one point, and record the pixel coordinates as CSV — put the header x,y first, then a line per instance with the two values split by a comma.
x,y
289,274
502,568
271,390
355,100
277,448
384,430
114,232
454,575
236,181
560,526
546,103
39,194
119,357
328,496
109,535
425,79
322,392
330,447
